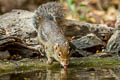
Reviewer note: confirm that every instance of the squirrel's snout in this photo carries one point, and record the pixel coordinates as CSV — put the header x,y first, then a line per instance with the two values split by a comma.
x,y
64,63
64,66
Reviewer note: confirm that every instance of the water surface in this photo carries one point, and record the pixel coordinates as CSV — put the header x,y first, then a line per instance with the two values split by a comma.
x,y
61,74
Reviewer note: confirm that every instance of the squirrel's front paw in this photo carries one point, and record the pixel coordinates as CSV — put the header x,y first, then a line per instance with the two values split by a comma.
x,y
50,61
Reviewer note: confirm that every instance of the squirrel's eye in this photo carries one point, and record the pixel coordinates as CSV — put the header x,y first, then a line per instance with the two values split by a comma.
x,y
59,54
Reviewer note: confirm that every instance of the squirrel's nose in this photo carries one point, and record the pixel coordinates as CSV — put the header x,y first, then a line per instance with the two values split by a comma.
x,y
64,63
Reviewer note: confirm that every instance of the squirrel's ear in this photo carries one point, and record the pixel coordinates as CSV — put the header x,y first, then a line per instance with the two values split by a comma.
x,y
56,46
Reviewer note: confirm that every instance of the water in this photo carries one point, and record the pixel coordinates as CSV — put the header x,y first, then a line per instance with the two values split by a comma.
x,y
61,74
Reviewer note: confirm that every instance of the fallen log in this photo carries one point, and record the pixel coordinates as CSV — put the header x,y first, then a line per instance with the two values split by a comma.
x,y
79,29
20,24
24,19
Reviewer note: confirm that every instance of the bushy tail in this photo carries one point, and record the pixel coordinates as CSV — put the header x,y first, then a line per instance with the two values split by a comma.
x,y
49,11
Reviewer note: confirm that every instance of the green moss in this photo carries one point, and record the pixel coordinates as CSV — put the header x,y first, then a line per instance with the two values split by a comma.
x,y
35,64
97,62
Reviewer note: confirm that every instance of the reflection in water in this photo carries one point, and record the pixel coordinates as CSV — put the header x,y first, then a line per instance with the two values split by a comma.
x,y
58,75
61,74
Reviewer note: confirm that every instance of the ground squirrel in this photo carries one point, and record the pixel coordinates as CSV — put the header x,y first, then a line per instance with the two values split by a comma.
x,y
50,34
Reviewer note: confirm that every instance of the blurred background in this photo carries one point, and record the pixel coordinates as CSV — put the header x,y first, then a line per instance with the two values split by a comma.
x,y
93,11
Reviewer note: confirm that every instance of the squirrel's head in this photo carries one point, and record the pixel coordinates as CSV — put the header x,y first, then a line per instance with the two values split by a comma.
x,y
62,54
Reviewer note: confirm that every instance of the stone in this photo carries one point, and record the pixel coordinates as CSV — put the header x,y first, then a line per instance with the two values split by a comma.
x,y
88,44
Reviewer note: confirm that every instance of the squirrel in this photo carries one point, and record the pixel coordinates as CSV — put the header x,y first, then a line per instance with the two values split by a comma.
x,y
50,34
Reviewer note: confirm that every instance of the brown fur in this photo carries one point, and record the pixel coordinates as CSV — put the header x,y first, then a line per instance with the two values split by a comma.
x,y
64,52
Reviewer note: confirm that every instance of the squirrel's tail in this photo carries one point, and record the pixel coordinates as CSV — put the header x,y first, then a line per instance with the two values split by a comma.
x,y
49,11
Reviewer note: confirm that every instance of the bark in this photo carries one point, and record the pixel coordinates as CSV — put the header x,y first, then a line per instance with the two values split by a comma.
x,y
79,29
